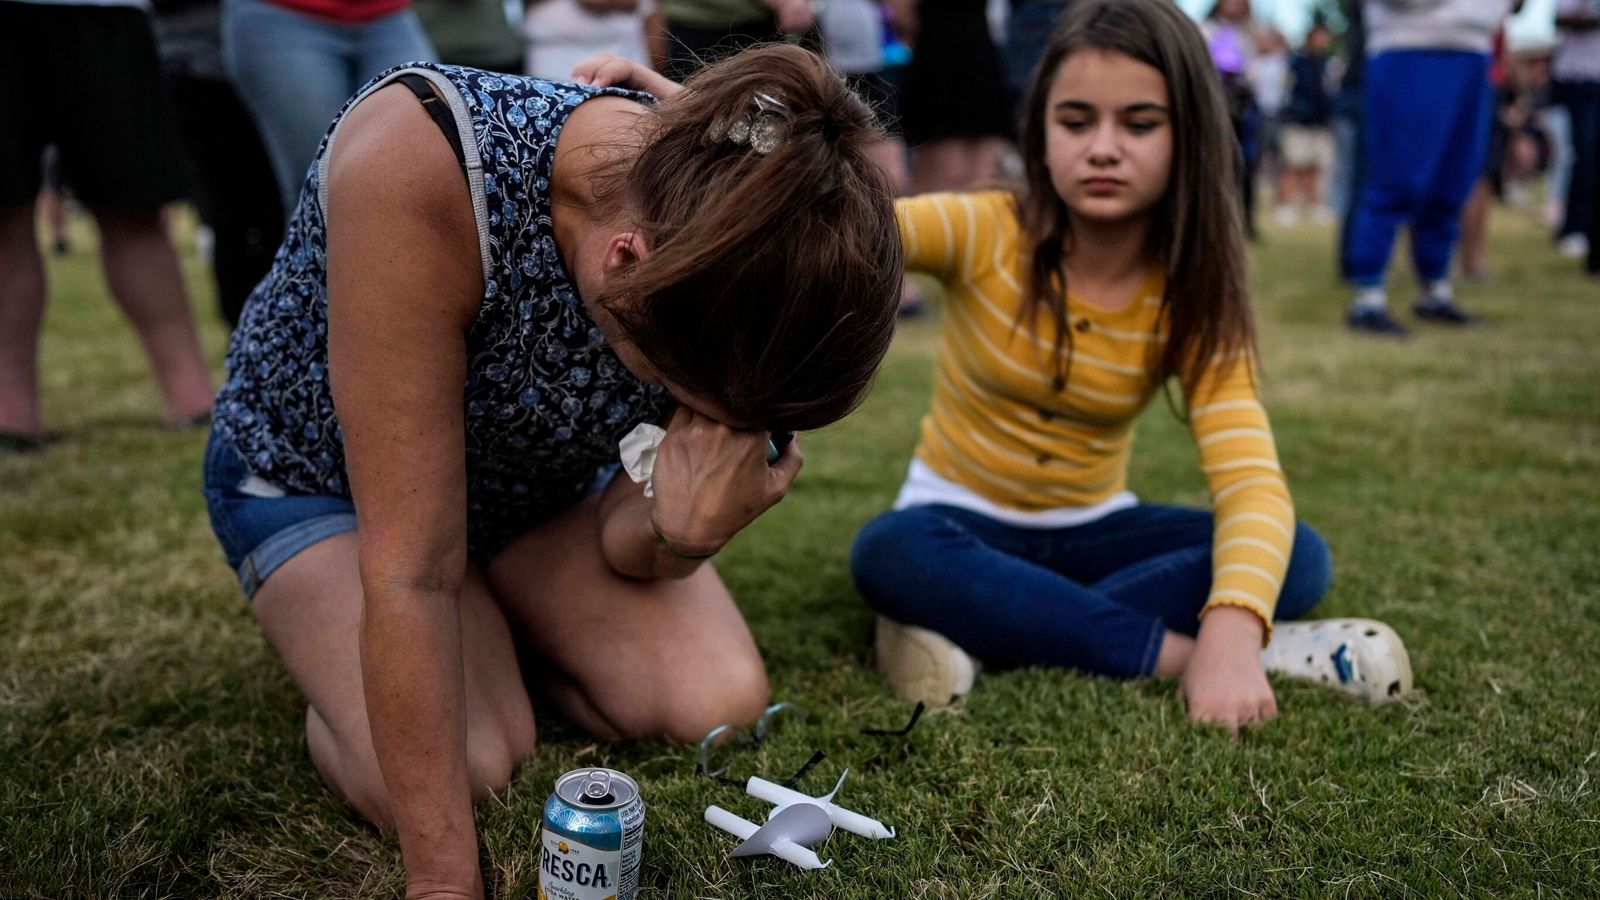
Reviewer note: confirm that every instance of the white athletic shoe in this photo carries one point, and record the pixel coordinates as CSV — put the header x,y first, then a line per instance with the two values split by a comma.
x,y
1360,657
1573,246
923,665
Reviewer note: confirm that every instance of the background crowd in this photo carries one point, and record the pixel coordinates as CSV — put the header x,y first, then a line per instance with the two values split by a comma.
x,y
223,104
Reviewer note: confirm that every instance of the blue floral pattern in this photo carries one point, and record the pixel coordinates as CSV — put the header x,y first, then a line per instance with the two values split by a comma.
x,y
546,400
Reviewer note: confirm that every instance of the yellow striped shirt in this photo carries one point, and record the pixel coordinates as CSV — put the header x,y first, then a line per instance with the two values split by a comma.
x,y
999,428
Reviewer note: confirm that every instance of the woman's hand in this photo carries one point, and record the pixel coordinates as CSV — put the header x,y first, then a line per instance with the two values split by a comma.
x,y
1224,682
610,70
711,481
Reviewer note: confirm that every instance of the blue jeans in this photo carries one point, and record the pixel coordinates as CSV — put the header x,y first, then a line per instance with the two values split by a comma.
x,y
1426,133
295,71
1096,597
260,527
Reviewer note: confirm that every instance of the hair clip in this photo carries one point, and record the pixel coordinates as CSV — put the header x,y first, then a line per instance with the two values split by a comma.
x,y
763,128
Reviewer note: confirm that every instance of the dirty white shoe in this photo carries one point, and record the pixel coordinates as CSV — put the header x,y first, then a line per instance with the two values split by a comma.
x,y
1360,657
923,665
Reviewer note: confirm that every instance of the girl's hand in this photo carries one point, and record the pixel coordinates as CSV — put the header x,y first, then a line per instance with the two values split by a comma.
x,y
610,70
711,481
1223,682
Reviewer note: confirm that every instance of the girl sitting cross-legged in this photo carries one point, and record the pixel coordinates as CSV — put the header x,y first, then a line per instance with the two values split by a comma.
x,y
1117,267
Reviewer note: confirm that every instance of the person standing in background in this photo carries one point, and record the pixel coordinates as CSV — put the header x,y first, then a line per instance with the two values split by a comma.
x,y
1348,167
1576,74
1234,42
230,177
956,107
1028,30
296,62
701,32
1307,135
93,90
1269,81
475,33
853,39
563,33
1427,107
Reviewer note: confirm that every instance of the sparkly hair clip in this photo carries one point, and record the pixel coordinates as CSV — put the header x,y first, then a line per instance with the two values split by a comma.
x,y
764,126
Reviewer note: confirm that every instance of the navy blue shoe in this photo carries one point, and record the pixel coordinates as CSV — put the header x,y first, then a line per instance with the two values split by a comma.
x,y
1443,312
1376,322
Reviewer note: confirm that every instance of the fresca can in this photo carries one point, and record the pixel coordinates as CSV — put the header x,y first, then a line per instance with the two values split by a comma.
x,y
593,837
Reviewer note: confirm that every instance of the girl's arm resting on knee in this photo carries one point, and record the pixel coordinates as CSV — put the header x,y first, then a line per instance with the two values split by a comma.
x,y
403,287
710,482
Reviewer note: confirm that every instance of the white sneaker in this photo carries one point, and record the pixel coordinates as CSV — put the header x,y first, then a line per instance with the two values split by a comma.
x,y
1360,657
1286,216
1573,246
923,665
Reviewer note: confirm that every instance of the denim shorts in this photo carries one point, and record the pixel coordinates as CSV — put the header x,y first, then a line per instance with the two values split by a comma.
x,y
260,525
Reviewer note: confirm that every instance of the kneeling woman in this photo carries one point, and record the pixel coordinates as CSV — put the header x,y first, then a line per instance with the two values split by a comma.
x,y
479,295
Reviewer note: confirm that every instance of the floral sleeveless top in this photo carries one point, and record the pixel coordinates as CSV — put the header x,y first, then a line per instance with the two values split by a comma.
x,y
546,401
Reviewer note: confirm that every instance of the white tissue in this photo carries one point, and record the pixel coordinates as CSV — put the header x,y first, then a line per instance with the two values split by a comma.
x,y
638,451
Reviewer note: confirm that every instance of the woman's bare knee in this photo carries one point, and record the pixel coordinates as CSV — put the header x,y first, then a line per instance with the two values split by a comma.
x,y
684,709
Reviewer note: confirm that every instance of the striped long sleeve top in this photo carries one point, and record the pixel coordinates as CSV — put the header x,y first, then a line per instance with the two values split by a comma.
x,y
999,428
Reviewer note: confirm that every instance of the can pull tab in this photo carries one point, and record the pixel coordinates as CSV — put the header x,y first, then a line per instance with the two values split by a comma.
x,y
597,789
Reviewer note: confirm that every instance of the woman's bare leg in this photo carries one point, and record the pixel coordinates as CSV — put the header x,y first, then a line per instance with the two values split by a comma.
x,y
626,658
142,270
310,610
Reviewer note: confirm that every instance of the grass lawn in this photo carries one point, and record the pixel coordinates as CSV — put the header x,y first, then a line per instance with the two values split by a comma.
x,y
150,745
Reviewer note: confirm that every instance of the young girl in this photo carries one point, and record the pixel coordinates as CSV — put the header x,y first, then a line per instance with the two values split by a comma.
x,y
1119,265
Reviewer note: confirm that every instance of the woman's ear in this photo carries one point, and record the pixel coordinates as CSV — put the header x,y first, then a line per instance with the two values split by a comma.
x,y
624,251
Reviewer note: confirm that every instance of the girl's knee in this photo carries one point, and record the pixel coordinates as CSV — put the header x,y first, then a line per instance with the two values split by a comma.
x,y
884,548
1310,572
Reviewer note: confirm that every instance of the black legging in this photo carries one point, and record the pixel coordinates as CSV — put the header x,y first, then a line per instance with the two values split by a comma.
x,y
232,185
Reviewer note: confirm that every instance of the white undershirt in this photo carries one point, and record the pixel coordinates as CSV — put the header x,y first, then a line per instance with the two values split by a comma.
x,y
924,487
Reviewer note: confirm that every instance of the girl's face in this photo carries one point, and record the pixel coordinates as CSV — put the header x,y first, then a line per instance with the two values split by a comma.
x,y
1108,136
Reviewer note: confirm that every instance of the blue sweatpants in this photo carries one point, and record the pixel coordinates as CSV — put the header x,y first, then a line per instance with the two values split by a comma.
x,y
1426,133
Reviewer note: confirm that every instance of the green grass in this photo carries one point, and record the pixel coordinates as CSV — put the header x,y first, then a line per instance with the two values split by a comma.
x,y
151,746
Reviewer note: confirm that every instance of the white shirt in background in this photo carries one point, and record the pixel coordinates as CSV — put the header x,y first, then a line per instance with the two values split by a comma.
x,y
561,34
1433,24
852,35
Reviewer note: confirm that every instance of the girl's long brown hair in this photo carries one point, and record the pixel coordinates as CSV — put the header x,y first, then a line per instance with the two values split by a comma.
x,y
1195,234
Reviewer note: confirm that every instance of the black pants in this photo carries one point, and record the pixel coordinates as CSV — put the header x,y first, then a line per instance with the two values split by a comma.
x,y
691,47
231,183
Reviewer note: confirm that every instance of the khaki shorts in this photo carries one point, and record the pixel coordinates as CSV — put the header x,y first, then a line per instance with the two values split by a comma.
x,y
1307,147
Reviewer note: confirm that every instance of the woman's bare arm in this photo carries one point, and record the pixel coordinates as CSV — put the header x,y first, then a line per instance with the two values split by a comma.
x,y
404,283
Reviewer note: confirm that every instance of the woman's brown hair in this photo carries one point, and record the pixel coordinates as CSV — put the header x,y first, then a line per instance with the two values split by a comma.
x,y
1195,234
774,278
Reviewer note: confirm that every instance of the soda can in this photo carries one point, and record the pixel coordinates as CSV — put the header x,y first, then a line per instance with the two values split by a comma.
x,y
592,841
